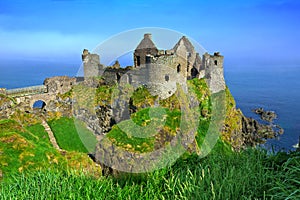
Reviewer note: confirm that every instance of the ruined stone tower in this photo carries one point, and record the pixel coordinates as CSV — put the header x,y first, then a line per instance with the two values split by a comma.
x,y
91,64
189,61
214,73
144,51
183,57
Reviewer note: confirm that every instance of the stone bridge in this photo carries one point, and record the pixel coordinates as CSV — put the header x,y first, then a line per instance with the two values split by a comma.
x,y
29,100
29,95
46,93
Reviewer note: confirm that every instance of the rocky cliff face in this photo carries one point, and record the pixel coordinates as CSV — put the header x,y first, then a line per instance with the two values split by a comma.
x,y
238,130
241,131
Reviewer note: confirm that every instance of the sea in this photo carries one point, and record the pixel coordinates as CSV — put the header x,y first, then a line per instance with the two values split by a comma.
x,y
275,88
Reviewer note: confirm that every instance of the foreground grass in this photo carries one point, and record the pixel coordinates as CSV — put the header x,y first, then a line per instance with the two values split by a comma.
x,y
26,148
250,174
23,148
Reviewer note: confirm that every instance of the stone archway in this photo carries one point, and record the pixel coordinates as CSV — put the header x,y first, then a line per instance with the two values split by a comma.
x,y
39,104
46,98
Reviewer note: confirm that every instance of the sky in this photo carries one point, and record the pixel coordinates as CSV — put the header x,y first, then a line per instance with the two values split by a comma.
x,y
252,32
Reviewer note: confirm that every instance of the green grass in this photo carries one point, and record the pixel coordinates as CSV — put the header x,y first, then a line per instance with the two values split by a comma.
x,y
288,185
38,131
25,148
142,98
245,175
223,174
141,120
103,94
72,137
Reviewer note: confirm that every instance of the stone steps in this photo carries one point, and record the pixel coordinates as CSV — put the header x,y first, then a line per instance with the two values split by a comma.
x,y
50,135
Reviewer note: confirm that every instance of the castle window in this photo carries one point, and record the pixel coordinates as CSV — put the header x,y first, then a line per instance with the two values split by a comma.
x,y
118,77
216,62
178,68
167,78
148,59
138,60
129,78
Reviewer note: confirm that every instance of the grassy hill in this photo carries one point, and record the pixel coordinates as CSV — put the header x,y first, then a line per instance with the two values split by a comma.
x,y
27,148
30,168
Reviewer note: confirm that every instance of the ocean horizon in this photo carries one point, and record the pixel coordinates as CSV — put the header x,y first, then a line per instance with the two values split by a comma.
x,y
274,88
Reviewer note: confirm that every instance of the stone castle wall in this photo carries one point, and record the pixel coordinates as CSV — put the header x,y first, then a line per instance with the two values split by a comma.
x,y
214,73
91,64
59,84
161,69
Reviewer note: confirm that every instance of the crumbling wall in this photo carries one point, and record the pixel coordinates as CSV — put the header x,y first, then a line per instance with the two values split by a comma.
x,y
189,59
59,84
91,64
112,75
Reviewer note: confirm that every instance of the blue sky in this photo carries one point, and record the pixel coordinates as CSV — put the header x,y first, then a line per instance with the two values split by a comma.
x,y
245,32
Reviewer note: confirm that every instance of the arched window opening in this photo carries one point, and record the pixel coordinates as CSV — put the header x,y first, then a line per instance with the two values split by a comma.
x,y
138,60
118,77
167,78
39,104
178,68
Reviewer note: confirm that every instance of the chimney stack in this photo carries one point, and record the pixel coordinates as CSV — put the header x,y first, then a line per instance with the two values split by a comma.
x,y
148,35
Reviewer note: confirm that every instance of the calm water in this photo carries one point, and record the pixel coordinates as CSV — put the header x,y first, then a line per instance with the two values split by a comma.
x,y
273,88
22,73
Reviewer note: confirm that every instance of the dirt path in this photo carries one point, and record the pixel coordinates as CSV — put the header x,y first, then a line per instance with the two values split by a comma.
x,y
50,134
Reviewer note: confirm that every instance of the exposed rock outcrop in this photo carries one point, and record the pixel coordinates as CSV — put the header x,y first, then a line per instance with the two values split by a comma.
x,y
256,133
5,107
268,116
61,105
241,131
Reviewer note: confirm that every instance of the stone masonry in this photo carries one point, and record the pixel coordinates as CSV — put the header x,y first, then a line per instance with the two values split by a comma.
x,y
160,70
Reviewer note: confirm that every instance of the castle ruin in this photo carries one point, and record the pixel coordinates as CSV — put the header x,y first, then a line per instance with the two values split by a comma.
x,y
159,69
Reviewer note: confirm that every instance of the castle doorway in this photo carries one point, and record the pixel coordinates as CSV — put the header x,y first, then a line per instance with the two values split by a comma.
x,y
194,72
178,68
